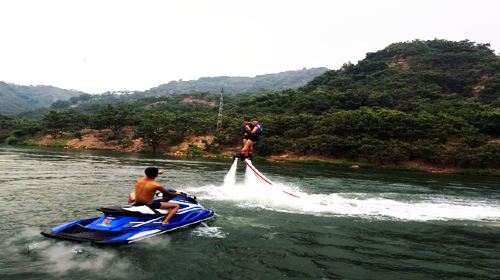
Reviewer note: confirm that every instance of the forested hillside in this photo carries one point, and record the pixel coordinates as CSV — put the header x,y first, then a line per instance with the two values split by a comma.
x,y
34,101
403,76
269,82
15,98
231,85
435,102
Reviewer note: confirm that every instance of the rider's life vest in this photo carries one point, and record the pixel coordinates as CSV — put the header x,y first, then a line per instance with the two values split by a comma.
x,y
259,130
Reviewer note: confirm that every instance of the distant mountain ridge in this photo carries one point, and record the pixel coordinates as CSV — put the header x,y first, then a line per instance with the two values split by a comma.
x,y
268,82
17,98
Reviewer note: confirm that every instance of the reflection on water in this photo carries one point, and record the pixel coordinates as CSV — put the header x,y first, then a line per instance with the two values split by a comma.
x,y
351,224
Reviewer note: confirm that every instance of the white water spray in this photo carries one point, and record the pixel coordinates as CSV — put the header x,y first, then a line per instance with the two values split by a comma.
x,y
258,177
251,179
230,178
256,173
255,192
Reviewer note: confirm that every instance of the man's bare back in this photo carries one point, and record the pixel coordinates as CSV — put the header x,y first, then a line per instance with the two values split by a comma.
x,y
145,189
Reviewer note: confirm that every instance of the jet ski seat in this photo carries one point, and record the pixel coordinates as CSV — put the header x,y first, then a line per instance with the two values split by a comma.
x,y
134,211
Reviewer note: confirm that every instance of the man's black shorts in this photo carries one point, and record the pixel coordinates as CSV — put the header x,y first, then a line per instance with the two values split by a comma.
x,y
153,205
253,138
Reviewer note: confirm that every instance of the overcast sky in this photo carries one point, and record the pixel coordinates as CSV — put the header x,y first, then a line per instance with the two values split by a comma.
x,y
102,45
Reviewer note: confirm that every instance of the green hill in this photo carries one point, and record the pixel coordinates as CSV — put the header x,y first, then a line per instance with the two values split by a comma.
x,y
208,88
403,76
268,82
437,101
15,98
422,102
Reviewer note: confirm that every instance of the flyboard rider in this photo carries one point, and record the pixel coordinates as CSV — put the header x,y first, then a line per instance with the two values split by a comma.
x,y
247,129
252,130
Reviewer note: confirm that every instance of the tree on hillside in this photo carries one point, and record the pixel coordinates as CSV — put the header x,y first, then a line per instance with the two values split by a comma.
x,y
6,126
5,122
55,122
153,128
491,89
115,118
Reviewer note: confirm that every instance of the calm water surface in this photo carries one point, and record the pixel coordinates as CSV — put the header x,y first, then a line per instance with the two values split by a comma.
x,y
347,224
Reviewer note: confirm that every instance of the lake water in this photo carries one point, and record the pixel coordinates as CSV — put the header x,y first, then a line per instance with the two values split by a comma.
x,y
347,224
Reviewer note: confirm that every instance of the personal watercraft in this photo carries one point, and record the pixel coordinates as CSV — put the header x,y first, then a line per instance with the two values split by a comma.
x,y
128,224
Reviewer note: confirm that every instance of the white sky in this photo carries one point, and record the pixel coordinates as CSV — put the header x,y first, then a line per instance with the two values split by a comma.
x,y
101,45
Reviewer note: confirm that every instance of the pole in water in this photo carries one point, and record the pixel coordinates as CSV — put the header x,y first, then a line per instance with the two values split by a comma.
x,y
219,116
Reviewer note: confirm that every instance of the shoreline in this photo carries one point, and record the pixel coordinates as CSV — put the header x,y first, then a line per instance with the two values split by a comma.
x,y
407,166
414,166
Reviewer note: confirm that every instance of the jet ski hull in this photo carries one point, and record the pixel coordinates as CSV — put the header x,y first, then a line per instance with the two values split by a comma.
x,y
124,225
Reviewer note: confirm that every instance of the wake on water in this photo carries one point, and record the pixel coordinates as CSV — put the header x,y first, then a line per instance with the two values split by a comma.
x,y
258,191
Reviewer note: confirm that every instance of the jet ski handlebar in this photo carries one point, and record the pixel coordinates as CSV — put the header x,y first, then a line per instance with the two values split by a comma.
x,y
188,197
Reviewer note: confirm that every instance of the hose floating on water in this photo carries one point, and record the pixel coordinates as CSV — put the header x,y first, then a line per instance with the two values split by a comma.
x,y
260,175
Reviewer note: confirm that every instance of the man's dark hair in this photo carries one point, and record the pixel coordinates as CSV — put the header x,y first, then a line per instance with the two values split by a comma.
x,y
247,119
151,172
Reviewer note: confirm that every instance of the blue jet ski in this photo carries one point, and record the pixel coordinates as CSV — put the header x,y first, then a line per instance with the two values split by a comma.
x,y
128,224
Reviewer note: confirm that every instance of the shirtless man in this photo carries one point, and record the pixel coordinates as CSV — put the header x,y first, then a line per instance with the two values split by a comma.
x,y
247,128
145,189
